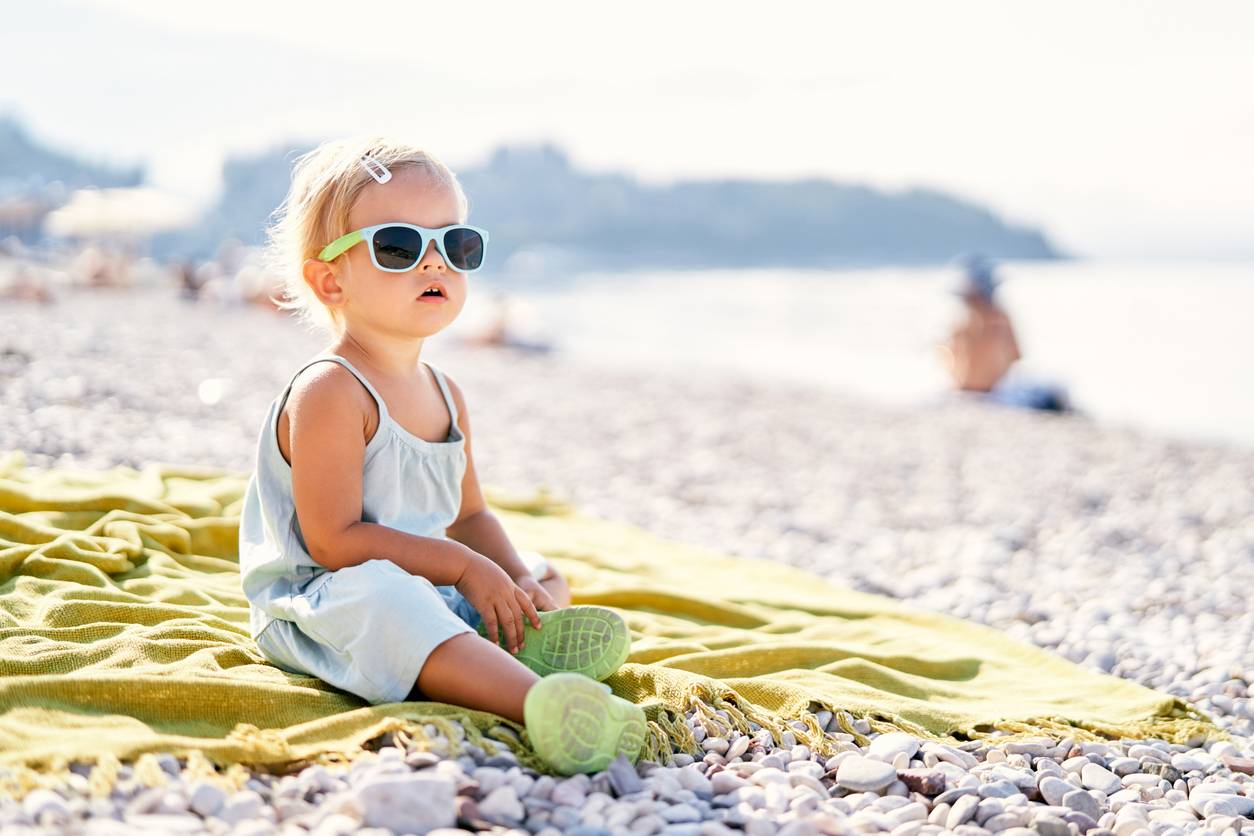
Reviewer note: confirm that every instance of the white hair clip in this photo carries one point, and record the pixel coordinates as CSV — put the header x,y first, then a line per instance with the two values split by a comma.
x,y
375,169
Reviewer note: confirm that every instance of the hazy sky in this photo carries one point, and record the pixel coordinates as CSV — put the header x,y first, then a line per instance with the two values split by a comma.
x,y
1123,128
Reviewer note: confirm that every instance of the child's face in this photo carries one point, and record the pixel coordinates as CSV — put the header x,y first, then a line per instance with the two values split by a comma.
x,y
392,301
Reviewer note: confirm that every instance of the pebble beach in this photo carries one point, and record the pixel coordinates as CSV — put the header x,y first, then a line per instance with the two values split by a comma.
x,y
1123,552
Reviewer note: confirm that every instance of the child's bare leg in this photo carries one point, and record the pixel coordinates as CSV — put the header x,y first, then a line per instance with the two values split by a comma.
x,y
468,671
556,586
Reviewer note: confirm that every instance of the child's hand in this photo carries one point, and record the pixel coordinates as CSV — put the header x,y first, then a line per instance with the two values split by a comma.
x,y
498,600
537,593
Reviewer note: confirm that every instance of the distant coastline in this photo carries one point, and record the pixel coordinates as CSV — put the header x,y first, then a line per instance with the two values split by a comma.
x,y
546,215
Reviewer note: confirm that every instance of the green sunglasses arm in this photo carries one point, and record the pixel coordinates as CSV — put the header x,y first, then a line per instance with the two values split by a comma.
x,y
340,245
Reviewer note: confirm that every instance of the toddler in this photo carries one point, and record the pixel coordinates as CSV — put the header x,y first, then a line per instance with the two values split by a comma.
x,y
367,553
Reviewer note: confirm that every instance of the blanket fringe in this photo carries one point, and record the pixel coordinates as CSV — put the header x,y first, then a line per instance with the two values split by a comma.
x,y
717,708
443,735
720,710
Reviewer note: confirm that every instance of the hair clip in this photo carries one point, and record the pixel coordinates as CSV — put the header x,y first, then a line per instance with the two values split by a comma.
x,y
375,169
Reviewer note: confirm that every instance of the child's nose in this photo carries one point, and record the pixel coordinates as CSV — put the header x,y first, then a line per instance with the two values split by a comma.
x,y
432,257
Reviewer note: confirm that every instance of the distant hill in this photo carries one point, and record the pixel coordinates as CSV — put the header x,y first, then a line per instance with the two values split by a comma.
x,y
531,193
536,205
252,188
25,164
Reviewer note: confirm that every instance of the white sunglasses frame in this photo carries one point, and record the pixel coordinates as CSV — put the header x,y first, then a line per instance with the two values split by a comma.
x,y
345,242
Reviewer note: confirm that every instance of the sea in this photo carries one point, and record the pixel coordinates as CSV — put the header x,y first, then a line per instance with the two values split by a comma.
x,y
1162,347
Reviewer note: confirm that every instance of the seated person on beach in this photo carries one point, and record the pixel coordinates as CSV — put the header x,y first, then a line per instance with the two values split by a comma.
x,y
367,552
501,330
982,347
497,331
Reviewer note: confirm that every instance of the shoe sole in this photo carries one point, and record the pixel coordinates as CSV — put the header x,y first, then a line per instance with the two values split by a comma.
x,y
593,641
577,724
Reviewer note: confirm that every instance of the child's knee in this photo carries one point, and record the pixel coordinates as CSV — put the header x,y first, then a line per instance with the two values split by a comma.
x,y
443,661
555,584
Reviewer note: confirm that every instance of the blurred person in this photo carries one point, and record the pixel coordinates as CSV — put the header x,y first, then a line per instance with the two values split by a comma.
x,y
212,284
502,329
982,347
28,284
254,286
190,284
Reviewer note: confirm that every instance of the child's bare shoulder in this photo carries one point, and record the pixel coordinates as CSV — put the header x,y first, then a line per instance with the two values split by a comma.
x,y
326,399
328,385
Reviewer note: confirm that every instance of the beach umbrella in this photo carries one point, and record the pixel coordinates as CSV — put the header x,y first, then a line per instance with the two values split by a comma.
x,y
139,212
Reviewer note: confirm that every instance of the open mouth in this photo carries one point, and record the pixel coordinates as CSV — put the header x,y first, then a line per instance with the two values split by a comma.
x,y
435,291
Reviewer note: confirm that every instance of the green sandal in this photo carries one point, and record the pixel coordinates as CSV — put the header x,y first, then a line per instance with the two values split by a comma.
x,y
593,641
577,724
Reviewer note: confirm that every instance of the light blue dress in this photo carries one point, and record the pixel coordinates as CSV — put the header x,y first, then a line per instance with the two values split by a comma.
x,y
369,628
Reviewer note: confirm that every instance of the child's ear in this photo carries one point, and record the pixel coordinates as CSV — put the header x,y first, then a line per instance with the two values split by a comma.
x,y
322,280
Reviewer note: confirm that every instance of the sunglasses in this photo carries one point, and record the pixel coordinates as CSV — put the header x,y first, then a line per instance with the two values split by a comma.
x,y
397,247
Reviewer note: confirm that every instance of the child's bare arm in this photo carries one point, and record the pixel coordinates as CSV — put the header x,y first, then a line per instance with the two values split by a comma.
x,y
327,420
442,562
483,532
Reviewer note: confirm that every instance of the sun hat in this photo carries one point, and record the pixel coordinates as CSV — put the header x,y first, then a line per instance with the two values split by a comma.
x,y
978,278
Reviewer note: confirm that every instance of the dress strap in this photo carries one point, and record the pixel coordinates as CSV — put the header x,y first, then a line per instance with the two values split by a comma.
x,y
448,397
378,399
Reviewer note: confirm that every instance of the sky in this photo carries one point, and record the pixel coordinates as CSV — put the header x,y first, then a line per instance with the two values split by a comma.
x,y
1123,129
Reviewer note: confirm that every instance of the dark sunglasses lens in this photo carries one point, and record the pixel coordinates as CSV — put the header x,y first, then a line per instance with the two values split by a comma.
x,y
397,248
464,247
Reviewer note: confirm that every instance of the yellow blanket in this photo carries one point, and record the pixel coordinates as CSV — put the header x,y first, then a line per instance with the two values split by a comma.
x,y
123,630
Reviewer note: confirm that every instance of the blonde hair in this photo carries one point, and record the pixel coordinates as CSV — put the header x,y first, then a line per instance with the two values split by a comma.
x,y
326,182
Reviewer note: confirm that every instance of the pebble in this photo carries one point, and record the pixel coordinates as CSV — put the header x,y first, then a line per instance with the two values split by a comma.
x,y
1034,748
1100,778
1050,826
1124,766
987,808
502,806
1191,762
887,746
244,804
569,792
924,781
681,813
1083,821
949,754
950,796
1222,804
1082,802
1143,752
417,801
998,789
623,777
159,823
715,744
737,748
205,799
862,774
961,810
40,802
725,782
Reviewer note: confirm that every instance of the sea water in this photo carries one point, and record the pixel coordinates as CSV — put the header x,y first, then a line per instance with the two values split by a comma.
x,y
1165,347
